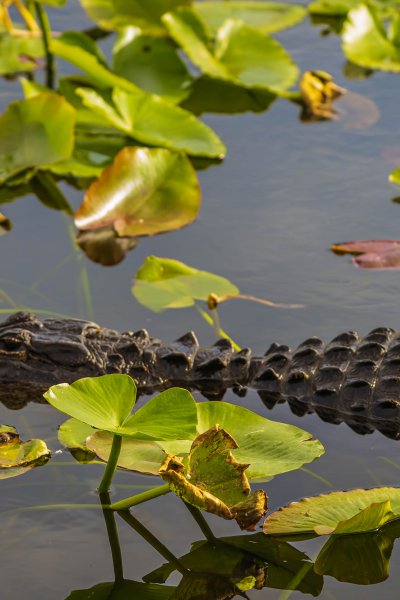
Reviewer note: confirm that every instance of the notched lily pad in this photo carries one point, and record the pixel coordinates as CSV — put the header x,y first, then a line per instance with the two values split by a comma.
x,y
145,191
16,457
214,481
356,511
371,254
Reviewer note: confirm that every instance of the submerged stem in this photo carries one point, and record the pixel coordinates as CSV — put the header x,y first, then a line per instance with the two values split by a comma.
x,y
113,538
111,465
142,497
201,522
46,33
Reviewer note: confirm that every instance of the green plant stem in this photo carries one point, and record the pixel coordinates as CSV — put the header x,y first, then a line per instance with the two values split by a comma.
x,y
113,538
142,497
45,187
152,540
46,33
221,332
201,522
111,465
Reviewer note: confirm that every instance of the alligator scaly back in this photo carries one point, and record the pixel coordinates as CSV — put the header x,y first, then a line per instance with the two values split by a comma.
x,y
350,379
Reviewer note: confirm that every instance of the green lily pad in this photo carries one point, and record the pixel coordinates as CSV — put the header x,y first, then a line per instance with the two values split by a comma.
x,y
35,131
162,283
241,54
355,511
395,176
145,191
265,16
136,455
115,14
214,481
123,590
340,8
366,42
106,403
152,63
152,120
268,447
19,54
17,457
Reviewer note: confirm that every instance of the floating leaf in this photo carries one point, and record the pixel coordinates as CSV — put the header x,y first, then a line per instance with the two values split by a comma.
x,y
268,447
115,14
5,224
355,511
242,55
19,54
152,63
162,283
358,559
214,481
152,120
145,191
318,91
265,16
372,254
123,590
340,8
35,131
367,43
17,457
395,176
136,455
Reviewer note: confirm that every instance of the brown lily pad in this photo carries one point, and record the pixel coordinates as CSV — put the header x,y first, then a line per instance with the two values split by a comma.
x,y
372,254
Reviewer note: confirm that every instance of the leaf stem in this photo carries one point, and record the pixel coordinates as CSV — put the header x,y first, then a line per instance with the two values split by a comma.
x,y
46,34
46,189
111,465
152,540
139,498
201,522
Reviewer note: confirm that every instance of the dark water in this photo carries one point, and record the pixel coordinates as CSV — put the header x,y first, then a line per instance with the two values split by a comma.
x,y
286,191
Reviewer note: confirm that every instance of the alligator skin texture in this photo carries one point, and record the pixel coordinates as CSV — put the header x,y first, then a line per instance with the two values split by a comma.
x,y
351,379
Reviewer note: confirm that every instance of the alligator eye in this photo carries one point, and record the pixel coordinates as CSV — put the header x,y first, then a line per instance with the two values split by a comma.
x,y
11,344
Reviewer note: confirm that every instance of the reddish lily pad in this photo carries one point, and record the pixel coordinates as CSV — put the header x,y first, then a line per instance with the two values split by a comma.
x,y
145,191
372,254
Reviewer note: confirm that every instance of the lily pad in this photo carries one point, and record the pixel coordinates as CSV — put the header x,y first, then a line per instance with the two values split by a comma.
x,y
115,14
104,246
162,283
123,590
268,447
366,42
152,120
106,403
395,176
318,91
241,55
145,191
372,254
264,16
214,481
16,456
35,131
5,224
152,63
355,511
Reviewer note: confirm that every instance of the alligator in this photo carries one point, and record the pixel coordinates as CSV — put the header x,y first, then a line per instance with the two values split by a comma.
x,y
351,379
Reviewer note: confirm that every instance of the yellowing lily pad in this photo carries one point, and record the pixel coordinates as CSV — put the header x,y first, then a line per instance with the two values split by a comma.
x,y
214,481
16,457
355,511
162,283
145,191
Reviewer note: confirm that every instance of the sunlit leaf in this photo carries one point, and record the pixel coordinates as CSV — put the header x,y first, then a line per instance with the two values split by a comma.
x,y
18,456
19,54
145,191
241,55
318,91
104,246
265,16
115,14
268,447
340,8
355,511
152,120
135,455
152,63
395,176
5,224
214,481
162,283
35,131
372,254
367,43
